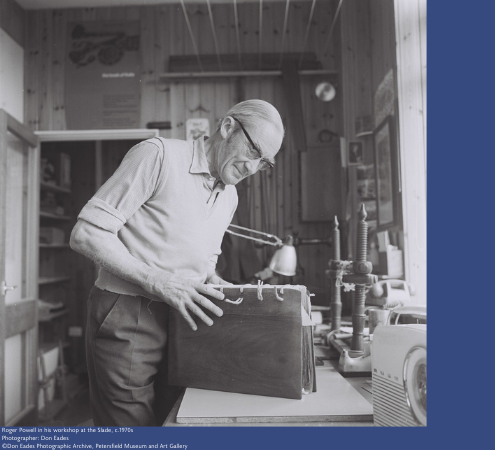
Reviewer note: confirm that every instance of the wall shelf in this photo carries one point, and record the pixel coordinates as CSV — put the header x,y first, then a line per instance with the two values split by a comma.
x,y
52,280
236,73
54,188
46,215
364,133
51,316
54,246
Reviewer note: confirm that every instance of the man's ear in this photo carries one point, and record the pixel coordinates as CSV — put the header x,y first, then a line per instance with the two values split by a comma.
x,y
227,127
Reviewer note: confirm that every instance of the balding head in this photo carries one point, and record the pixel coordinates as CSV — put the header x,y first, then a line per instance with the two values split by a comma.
x,y
253,112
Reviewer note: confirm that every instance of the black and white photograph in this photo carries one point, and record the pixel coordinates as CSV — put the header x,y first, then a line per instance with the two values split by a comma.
x,y
366,183
355,156
179,247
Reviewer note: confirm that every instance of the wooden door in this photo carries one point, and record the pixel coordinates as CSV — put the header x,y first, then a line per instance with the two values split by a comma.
x,y
19,205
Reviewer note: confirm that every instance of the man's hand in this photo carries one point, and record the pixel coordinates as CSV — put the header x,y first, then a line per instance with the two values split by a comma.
x,y
106,249
215,279
185,296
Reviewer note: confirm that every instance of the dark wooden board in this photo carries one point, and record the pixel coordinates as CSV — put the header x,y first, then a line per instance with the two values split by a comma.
x,y
256,347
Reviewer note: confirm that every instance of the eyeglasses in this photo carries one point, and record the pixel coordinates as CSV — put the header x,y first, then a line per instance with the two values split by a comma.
x,y
264,163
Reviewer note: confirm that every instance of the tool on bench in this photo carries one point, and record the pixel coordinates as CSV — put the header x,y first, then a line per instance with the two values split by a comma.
x,y
352,275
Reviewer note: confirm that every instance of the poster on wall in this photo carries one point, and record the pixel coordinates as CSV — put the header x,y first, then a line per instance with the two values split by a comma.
x,y
384,173
384,98
103,75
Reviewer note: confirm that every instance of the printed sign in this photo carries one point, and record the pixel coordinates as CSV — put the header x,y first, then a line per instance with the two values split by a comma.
x,y
103,75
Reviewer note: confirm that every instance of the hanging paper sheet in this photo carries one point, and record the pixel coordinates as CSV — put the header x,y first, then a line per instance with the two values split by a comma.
x,y
103,75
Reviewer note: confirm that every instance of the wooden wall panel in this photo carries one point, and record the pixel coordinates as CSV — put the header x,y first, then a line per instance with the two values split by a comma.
x,y
59,54
164,33
357,95
46,111
13,20
32,56
148,72
384,59
161,50
411,80
274,200
319,115
273,197
368,54
224,28
178,31
248,24
383,40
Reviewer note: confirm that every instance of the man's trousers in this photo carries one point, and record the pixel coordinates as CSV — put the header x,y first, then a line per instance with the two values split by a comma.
x,y
126,352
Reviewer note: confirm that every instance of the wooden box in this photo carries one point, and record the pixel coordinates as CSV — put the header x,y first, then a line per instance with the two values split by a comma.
x,y
262,345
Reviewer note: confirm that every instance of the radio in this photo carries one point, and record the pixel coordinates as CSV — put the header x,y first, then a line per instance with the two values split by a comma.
x,y
399,375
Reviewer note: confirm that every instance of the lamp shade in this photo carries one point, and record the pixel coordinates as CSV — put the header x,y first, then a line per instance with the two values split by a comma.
x,y
284,260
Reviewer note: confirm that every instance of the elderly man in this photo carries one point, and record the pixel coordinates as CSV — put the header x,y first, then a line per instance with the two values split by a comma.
x,y
155,229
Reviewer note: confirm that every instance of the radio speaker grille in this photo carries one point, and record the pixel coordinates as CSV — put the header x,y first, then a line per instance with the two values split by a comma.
x,y
390,408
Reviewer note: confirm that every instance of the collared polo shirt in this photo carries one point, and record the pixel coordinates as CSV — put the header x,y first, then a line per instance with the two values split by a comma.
x,y
166,208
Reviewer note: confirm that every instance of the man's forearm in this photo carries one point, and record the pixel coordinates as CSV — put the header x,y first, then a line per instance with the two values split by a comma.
x,y
106,250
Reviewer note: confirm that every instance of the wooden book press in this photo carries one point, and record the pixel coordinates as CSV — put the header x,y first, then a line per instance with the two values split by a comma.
x,y
352,275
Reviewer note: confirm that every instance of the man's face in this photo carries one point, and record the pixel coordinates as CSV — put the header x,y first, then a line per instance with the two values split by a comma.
x,y
236,157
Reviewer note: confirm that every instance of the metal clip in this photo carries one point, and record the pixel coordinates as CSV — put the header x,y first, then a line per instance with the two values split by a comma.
x,y
260,290
236,302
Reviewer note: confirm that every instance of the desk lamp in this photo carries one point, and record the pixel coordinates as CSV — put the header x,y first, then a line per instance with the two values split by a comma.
x,y
284,260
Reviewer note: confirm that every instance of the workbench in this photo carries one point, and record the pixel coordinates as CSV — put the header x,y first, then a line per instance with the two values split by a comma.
x,y
338,402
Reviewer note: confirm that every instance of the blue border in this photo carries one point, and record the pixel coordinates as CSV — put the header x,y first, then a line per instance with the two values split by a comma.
x,y
461,121
286,438
460,153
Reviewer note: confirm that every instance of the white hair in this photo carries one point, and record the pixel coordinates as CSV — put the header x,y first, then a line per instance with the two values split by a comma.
x,y
251,112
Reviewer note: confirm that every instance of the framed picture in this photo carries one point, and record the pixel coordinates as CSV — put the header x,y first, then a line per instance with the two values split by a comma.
x,y
366,182
386,173
355,155
195,128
